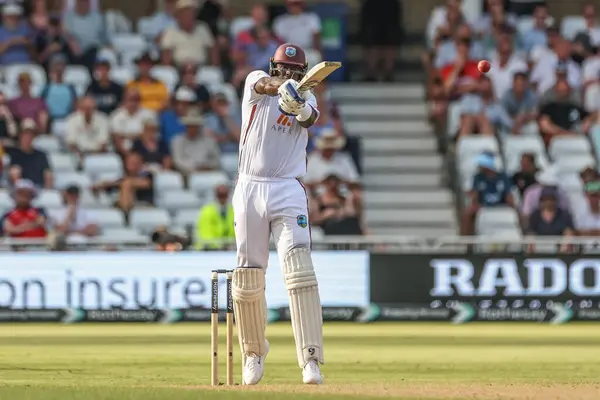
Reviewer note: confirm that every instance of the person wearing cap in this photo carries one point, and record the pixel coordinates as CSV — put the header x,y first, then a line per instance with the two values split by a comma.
x,y
154,93
87,130
194,150
154,151
215,222
187,78
55,41
298,26
191,40
549,219
223,124
107,93
170,119
490,188
127,121
26,162
88,29
73,221
15,37
60,96
548,177
558,65
24,220
329,159
27,106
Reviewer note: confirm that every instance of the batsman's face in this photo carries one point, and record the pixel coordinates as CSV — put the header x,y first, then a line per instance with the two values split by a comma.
x,y
288,71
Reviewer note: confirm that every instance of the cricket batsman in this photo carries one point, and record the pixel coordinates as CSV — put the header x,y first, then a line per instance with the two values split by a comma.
x,y
270,200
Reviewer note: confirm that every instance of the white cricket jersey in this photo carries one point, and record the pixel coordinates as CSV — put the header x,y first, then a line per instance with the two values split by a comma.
x,y
272,145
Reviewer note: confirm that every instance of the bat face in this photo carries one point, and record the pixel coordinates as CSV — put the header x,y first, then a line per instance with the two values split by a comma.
x,y
317,74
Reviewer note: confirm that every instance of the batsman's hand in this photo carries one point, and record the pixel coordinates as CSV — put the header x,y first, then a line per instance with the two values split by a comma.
x,y
290,100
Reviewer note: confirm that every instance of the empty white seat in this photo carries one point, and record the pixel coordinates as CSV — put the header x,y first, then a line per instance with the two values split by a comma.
x,y
62,162
78,76
59,127
516,146
240,24
472,146
88,200
122,75
6,201
109,218
313,57
108,54
167,180
209,74
147,28
48,199
37,73
175,200
574,163
147,219
569,146
229,162
95,164
65,178
202,182
570,182
228,90
130,235
186,217
129,42
47,144
494,219
167,75
571,25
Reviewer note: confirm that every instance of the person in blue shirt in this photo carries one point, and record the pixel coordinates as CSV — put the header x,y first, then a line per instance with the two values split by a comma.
x,y
490,188
224,124
15,37
170,119
538,35
60,97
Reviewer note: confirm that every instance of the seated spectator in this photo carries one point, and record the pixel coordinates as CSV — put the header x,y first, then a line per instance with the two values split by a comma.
x,y
381,32
195,150
254,55
72,221
126,122
520,103
548,69
481,112
154,93
15,37
298,26
8,125
154,152
39,17
545,52
443,22
592,28
24,220
531,196
166,241
562,116
54,41
215,222
447,52
461,76
214,13
260,17
223,124
69,5
166,58
60,97
523,8
525,176
549,219
170,119
163,19
589,174
87,27
26,106
87,129
190,40
537,35
506,64
494,15
587,218
28,163
581,49
136,187
108,94
490,188
329,160
336,212
187,79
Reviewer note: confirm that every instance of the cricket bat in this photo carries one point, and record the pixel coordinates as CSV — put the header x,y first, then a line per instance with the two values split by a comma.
x,y
317,74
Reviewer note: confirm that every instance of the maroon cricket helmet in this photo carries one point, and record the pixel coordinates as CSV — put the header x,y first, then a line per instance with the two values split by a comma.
x,y
289,62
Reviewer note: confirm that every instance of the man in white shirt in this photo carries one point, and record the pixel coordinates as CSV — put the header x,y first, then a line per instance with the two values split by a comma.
x,y
195,151
127,121
190,40
544,73
506,63
298,26
87,129
329,160
72,221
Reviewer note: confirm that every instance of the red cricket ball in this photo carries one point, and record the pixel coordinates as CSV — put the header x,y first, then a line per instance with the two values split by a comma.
x,y
484,66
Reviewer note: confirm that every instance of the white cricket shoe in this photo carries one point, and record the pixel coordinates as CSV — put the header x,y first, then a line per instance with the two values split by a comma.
x,y
311,374
254,368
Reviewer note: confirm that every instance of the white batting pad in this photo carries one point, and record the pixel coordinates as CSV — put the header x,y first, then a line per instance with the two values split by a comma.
x,y
305,305
250,306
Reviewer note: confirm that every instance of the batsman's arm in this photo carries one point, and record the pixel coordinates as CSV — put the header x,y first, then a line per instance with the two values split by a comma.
x,y
312,118
268,86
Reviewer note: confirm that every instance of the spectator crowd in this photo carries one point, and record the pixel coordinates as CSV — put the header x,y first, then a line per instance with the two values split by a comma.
x,y
526,135
111,131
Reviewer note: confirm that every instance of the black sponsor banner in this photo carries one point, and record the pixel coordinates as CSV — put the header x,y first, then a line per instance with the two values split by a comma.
x,y
498,287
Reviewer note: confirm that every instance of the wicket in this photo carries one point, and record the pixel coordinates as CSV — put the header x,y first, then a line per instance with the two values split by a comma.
x,y
214,324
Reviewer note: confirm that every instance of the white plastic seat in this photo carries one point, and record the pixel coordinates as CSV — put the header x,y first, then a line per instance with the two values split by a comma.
x,y
313,57
122,75
124,234
6,201
574,163
129,42
78,76
186,217
62,162
167,75
47,144
145,27
564,146
494,219
469,146
209,75
95,164
202,182
48,199
228,90
571,25
165,181
109,218
229,162
63,179
525,24
240,24
515,146
59,128
88,200
38,75
570,182
177,200
108,54
147,219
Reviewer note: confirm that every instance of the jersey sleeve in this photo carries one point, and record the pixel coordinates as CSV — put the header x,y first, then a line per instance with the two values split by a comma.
x,y
312,101
250,95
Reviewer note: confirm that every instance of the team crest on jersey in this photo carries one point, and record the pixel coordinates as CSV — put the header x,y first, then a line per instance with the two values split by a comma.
x,y
290,52
302,221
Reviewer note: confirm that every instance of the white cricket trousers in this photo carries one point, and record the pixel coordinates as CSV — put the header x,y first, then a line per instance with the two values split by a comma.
x,y
265,206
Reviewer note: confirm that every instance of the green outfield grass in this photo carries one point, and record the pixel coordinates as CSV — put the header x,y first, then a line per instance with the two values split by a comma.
x,y
402,361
